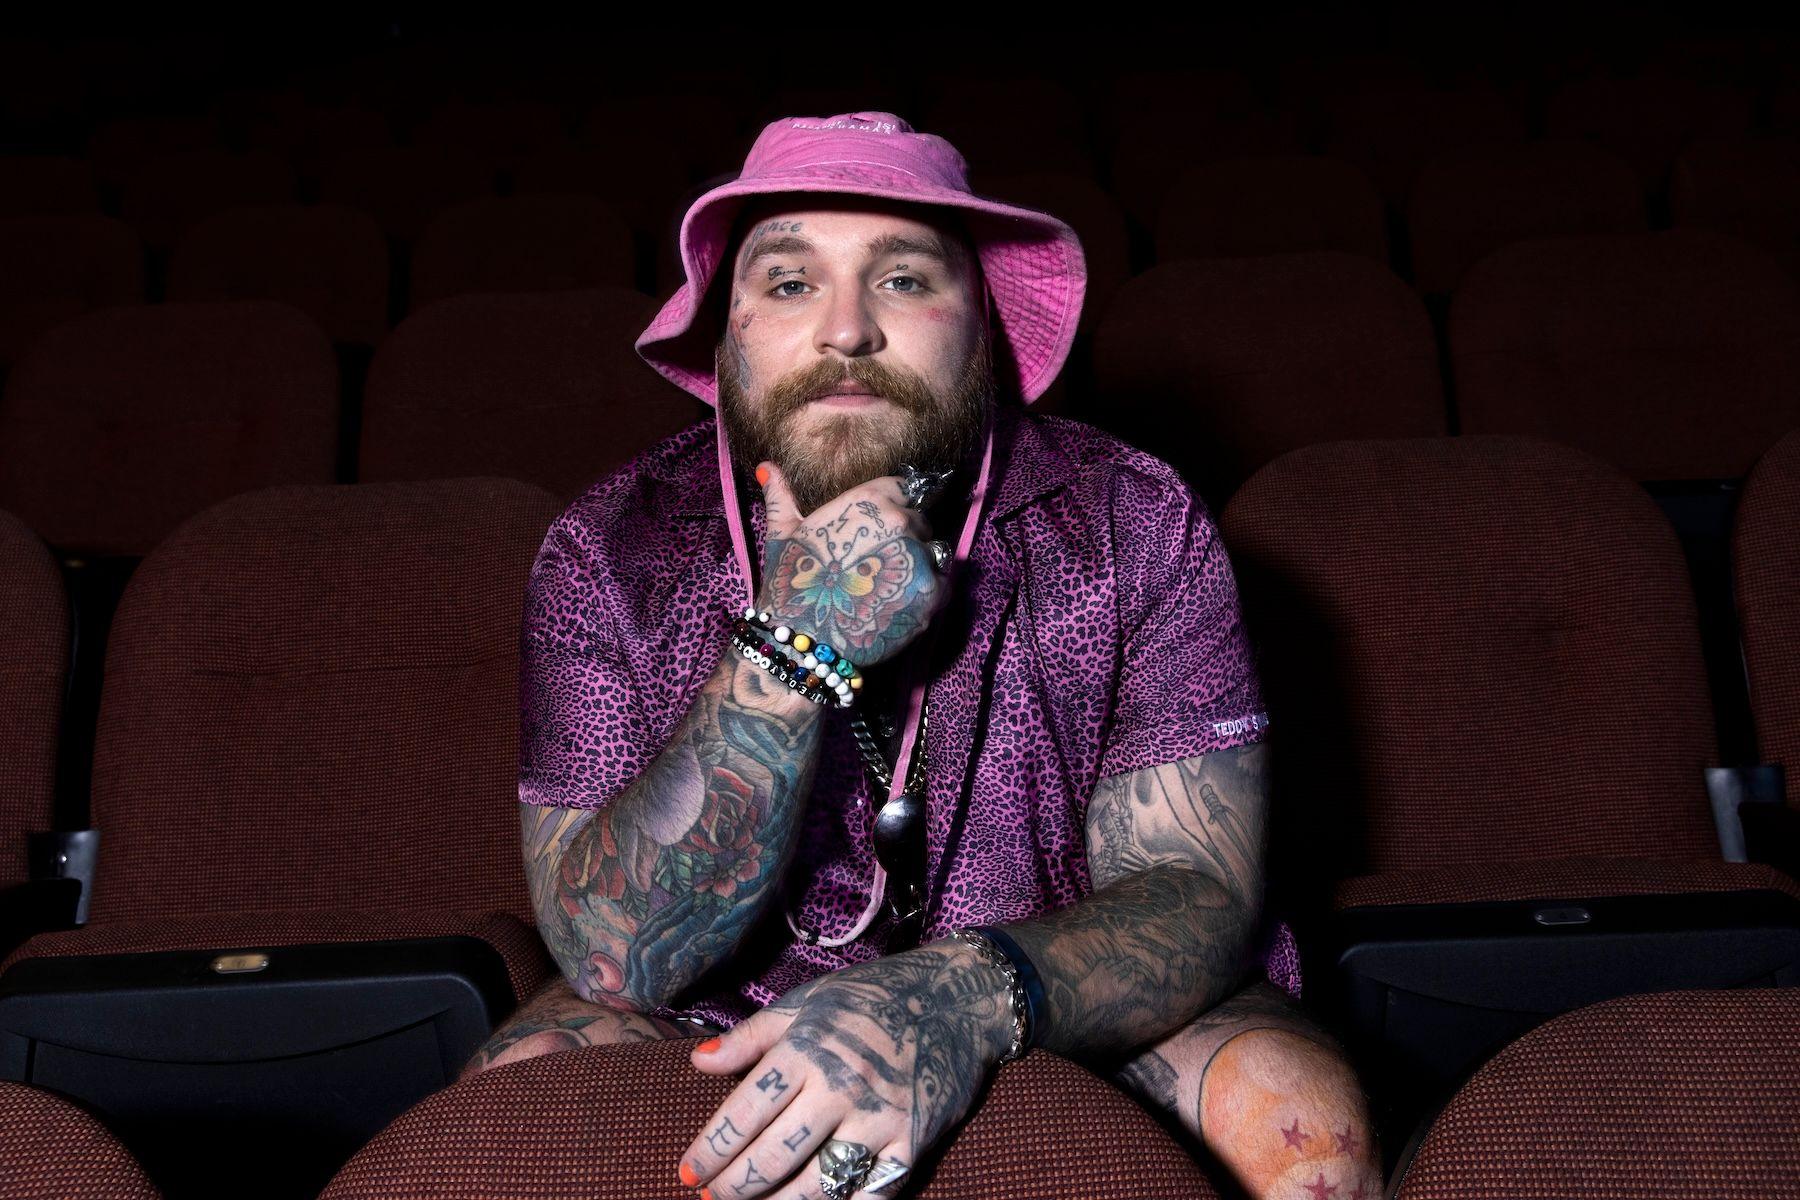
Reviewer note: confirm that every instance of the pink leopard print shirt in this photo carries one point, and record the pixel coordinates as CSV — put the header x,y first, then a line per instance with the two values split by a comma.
x,y
1099,635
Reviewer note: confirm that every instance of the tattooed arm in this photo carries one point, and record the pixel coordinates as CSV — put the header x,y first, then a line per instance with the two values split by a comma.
x,y
638,899
1176,855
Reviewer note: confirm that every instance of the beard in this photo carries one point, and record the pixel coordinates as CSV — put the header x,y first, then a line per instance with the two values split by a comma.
x,y
842,450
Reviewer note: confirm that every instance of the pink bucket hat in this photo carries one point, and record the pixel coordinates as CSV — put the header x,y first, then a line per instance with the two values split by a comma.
x,y
1035,272
1035,268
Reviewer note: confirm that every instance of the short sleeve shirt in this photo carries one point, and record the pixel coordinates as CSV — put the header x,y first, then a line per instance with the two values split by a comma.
x,y
1095,632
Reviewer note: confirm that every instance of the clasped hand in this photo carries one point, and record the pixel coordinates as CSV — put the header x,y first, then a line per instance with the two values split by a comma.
x,y
885,1054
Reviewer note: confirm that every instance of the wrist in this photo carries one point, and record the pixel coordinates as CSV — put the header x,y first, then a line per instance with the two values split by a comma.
x,y
1021,994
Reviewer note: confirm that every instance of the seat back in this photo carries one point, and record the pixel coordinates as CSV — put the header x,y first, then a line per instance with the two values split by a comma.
x,y
1221,365
522,244
34,661
1765,553
311,702
328,261
1479,649
1287,204
54,268
1690,1095
120,424
1671,355
544,387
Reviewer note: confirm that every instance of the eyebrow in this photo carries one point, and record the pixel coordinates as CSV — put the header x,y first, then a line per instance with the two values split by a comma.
x,y
891,244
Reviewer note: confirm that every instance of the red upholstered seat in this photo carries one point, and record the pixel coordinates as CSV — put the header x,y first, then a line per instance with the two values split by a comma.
x,y
54,268
328,261
1691,1095
1648,118
34,658
1765,554
535,243
120,424
1671,355
1470,202
310,704
167,195
52,1147
610,1123
1487,647
1482,660
1224,364
403,187
1749,188
1390,128
541,386
46,185
1282,205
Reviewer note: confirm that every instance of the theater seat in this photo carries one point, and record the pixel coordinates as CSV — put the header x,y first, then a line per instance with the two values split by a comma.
x,y
46,185
536,243
310,905
1765,555
55,268
541,386
167,195
1470,202
34,662
121,423
611,1122
328,261
1221,365
1483,653
1283,205
1672,355
1687,1095
53,1149
1746,187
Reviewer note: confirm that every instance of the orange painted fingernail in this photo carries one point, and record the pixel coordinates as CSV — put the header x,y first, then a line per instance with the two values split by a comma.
x,y
708,1046
705,1194
688,1176
762,476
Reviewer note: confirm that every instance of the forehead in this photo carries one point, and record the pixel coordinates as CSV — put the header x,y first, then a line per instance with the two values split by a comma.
x,y
837,224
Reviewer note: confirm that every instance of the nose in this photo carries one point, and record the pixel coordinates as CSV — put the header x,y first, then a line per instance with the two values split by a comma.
x,y
848,325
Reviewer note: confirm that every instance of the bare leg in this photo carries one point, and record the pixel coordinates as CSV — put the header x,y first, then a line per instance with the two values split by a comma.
x,y
557,1019
1271,1096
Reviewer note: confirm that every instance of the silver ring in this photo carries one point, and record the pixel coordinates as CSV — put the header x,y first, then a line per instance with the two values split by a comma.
x,y
941,553
920,488
842,1166
884,1175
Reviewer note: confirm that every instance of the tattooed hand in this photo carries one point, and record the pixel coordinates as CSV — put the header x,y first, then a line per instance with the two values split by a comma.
x,y
855,573
887,1054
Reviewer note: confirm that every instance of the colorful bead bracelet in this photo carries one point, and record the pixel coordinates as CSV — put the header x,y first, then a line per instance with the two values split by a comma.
x,y
839,673
800,675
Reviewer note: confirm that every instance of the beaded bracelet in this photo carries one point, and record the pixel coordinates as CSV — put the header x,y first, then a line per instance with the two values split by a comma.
x,y
838,672
771,659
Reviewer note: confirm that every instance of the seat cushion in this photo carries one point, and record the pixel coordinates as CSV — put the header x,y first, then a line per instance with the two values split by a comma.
x,y
51,1147
611,1122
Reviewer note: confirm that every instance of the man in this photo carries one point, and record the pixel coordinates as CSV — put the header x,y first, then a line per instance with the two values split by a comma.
x,y
1049,730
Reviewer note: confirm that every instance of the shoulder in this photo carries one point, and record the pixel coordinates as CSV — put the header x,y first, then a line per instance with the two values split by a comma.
x,y
1105,473
673,476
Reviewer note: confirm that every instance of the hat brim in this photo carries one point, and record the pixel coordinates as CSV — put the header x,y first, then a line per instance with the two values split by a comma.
x,y
1033,262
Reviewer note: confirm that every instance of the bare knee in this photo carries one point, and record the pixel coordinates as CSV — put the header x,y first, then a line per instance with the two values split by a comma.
x,y
1286,1112
555,1019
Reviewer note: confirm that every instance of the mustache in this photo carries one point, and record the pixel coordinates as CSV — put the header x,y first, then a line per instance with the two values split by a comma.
x,y
903,390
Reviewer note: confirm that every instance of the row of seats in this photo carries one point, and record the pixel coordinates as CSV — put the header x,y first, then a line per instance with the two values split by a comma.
x,y
234,215
1690,1095
1672,355
1481,649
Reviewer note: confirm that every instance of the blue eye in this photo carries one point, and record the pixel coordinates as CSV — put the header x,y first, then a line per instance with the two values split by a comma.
x,y
918,284
776,290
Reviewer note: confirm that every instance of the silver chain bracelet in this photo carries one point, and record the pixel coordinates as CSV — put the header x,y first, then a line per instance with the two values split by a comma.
x,y
993,956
